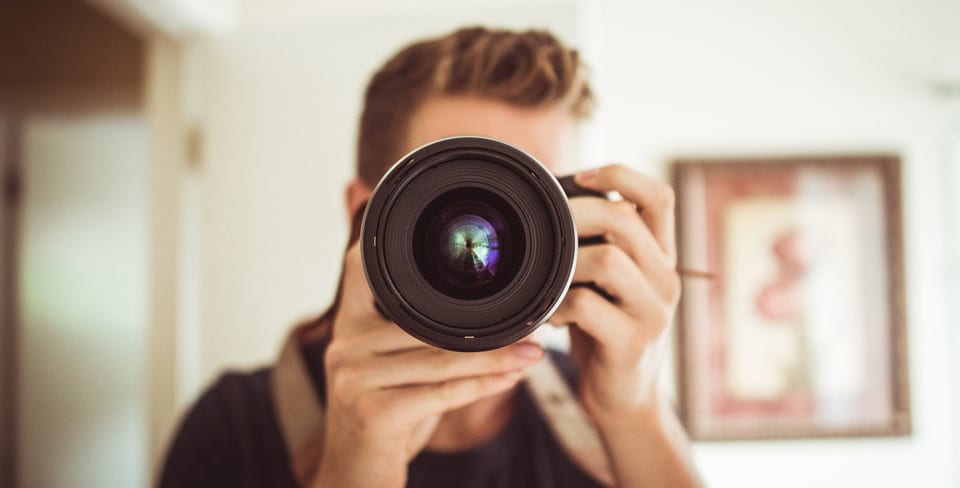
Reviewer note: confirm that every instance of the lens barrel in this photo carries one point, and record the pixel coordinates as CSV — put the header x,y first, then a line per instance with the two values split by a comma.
x,y
468,243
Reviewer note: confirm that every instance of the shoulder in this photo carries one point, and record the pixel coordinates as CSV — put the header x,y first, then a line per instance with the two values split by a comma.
x,y
235,403
239,394
232,422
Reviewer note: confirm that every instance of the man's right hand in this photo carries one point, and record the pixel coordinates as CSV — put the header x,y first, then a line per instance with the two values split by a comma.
x,y
387,390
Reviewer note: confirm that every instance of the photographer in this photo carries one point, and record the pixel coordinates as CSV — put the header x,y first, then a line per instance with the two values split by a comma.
x,y
354,401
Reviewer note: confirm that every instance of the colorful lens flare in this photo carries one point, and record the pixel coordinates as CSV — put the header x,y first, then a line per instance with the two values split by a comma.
x,y
471,245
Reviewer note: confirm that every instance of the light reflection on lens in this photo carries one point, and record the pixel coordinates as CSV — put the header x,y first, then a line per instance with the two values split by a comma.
x,y
467,243
472,245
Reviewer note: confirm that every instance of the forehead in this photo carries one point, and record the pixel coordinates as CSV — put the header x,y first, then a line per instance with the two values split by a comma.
x,y
549,134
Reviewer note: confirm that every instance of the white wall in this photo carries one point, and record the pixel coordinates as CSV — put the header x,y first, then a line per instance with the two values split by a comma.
x,y
949,185
784,77
281,98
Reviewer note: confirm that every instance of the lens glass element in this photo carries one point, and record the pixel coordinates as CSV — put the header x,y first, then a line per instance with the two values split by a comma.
x,y
472,247
468,243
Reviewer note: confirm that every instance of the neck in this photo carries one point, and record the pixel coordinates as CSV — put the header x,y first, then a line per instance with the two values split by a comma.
x,y
473,424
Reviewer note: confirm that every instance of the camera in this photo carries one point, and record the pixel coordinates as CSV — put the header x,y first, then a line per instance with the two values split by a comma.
x,y
469,243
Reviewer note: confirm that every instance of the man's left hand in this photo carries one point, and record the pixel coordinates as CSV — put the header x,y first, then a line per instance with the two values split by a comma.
x,y
619,344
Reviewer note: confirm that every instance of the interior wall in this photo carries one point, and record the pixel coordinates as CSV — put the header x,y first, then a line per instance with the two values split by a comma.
x,y
949,186
760,78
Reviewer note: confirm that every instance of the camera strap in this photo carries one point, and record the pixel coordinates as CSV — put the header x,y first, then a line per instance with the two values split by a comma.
x,y
300,413
566,418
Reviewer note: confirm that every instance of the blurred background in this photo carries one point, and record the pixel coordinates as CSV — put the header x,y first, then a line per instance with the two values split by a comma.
x,y
173,176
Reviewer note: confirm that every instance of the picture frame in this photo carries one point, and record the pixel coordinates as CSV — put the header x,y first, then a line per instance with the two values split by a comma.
x,y
801,331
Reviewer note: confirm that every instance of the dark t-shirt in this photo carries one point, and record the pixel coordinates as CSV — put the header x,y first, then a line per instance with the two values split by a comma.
x,y
231,438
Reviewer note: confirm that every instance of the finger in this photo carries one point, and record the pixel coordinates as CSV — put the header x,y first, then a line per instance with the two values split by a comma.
x,y
357,293
621,225
422,401
611,269
434,365
356,300
618,335
389,339
653,197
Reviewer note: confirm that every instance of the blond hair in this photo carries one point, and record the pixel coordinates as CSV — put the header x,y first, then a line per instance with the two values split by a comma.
x,y
523,68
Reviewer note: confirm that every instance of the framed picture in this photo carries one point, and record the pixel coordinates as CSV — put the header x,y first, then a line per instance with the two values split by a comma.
x,y
800,332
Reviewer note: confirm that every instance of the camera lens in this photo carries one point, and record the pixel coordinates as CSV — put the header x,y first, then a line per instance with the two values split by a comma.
x,y
468,243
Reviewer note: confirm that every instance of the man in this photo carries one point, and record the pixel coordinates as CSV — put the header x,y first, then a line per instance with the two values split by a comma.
x,y
356,402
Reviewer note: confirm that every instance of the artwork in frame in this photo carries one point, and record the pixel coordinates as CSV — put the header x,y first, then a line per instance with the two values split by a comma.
x,y
801,332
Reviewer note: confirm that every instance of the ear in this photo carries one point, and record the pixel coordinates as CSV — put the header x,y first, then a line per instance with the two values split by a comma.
x,y
356,194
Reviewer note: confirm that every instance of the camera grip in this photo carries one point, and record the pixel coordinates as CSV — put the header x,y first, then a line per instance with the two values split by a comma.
x,y
573,190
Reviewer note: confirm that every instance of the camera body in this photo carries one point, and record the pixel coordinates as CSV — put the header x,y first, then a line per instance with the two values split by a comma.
x,y
469,243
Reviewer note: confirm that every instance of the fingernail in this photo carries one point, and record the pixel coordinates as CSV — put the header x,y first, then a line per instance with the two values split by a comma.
x,y
527,350
585,176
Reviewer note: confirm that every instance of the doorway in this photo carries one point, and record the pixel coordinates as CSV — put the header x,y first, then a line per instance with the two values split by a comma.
x,y
73,164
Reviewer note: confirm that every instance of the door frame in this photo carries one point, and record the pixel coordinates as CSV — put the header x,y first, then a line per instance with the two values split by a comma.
x,y
10,188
